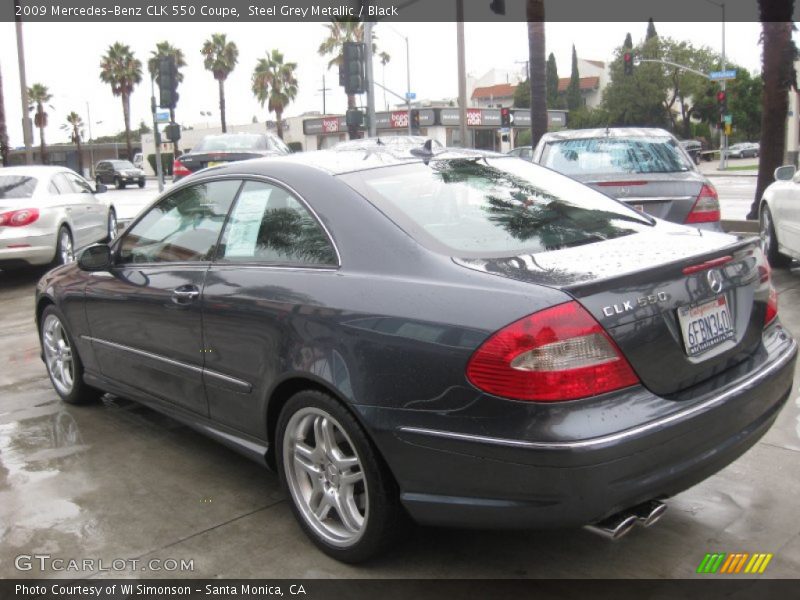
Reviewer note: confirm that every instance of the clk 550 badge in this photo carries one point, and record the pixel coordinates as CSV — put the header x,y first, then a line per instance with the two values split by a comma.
x,y
640,302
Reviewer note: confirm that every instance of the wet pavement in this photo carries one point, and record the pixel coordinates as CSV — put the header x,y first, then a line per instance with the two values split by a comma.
x,y
118,481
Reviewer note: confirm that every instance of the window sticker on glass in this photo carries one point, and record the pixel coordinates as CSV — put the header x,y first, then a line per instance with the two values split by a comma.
x,y
246,222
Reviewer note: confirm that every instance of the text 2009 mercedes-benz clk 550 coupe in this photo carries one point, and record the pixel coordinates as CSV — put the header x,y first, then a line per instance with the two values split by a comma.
x,y
462,337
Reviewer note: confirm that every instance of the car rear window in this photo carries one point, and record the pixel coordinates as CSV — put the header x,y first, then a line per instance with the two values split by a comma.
x,y
16,186
123,164
615,155
231,143
485,207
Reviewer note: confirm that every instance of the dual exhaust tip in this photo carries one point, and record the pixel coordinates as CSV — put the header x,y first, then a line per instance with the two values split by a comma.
x,y
620,524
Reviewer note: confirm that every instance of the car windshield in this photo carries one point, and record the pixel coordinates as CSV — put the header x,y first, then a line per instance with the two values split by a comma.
x,y
16,186
615,155
123,164
231,143
482,207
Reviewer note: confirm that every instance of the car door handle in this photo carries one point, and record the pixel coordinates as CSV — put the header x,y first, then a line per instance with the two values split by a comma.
x,y
185,294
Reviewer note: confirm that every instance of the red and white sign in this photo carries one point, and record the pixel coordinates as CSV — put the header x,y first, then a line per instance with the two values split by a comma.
x,y
330,125
473,116
399,119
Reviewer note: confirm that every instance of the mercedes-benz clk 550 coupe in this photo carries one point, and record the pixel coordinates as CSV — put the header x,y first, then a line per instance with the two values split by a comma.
x,y
464,338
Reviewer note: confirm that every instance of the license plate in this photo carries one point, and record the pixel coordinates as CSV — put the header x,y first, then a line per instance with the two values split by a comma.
x,y
706,325
215,163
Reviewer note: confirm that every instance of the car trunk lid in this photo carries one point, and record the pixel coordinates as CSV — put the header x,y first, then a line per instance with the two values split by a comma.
x,y
195,162
660,296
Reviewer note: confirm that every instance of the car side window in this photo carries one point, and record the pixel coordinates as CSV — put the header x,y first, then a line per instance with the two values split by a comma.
x,y
79,185
184,226
269,225
62,184
52,189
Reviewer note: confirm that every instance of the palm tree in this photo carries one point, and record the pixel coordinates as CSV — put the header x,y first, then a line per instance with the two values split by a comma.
x,y
220,58
538,66
339,32
74,125
122,71
274,82
4,147
38,96
163,50
385,58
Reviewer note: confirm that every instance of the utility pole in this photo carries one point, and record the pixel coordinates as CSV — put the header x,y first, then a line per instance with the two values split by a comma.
x,y
324,90
91,146
368,25
462,74
723,162
156,137
27,129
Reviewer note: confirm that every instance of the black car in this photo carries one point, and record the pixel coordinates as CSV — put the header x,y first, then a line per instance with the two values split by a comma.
x,y
227,147
119,173
462,337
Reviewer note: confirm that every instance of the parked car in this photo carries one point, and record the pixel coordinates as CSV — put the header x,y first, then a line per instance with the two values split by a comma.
x,y
525,152
48,212
780,217
694,148
138,160
227,147
119,173
743,150
645,168
462,337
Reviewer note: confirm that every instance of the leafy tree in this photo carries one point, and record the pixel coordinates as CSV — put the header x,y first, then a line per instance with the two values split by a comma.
x,y
122,71
779,76
628,43
744,104
221,57
553,100
522,95
4,145
574,98
274,83
164,50
39,95
343,30
143,128
534,10
651,30
74,126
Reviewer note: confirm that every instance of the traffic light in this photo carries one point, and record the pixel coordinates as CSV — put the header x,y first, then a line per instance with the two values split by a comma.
x,y
354,117
354,68
172,132
627,60
722,102
415,118
498,7
167,82
506,118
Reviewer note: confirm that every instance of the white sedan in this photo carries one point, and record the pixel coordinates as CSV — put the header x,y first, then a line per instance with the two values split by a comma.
x,y
780,217
46,213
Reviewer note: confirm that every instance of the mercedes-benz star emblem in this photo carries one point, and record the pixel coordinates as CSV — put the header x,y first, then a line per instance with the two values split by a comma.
x,y
714,280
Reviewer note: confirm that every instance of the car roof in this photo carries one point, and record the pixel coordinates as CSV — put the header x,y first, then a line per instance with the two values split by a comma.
x,y
34,170
610,132
348,160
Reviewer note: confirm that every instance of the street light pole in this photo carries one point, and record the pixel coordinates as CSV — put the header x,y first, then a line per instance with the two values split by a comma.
x,y
723,163
462,73
27,130
370,83
91,146
156,137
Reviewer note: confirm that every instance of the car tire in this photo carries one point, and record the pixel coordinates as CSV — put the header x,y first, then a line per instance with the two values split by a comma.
x,y
64,366
118,183
314,474
111,226
141,183
769,240
65,248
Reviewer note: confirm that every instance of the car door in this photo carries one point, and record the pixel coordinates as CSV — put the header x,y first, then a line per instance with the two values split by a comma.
x,y
93,212
273,253
144,314
69,199
787,217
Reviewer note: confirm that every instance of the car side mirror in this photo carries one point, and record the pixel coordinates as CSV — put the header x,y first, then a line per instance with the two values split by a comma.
x,y
100,188
785,173
95,258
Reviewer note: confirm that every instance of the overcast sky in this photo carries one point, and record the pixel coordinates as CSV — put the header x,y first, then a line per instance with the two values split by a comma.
x,y
65,57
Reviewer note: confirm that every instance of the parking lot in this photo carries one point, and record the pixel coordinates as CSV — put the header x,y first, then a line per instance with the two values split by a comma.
x,y
119,481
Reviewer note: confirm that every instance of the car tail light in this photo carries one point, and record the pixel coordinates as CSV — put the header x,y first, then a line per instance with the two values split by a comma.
x,y
765,273
561,353
706,207
19,218
178,168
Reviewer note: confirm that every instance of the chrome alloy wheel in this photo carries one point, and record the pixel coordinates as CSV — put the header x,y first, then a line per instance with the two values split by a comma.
x,y
66,252
766,231
58,355
325,476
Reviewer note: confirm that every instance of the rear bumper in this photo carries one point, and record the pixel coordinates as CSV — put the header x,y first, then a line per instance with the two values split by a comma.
x,y
27,250
461,478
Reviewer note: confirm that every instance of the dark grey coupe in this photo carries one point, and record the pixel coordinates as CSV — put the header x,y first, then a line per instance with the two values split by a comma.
x,y
462,337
